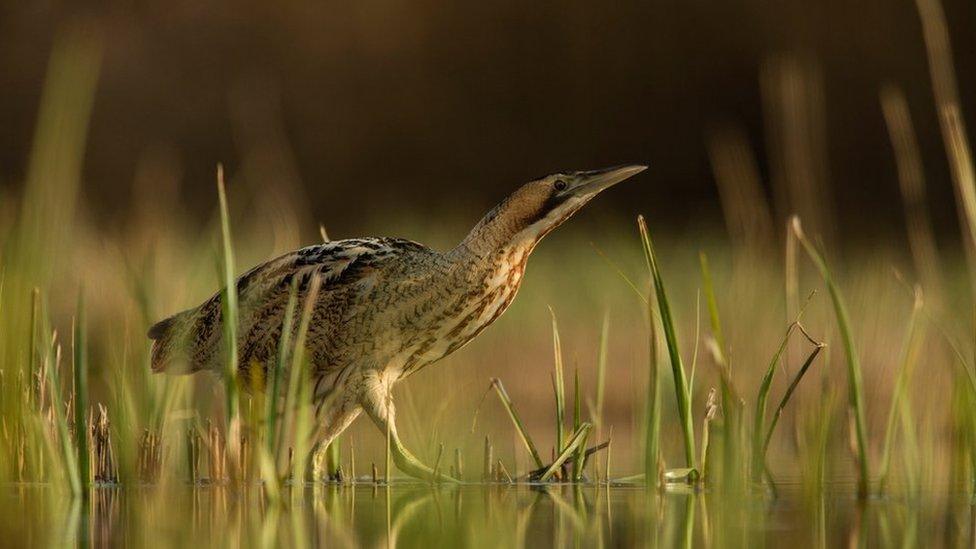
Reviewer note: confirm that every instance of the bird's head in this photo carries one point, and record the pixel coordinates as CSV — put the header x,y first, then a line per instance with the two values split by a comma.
x,y
540,206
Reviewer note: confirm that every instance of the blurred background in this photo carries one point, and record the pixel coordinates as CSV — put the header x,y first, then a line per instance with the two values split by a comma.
x,y
363,110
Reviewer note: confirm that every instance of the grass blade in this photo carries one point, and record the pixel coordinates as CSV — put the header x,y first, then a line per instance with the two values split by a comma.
x,y
229,316
732,407
601,370
519,426
854,377
682,389
81,396
61,423
900,407
577,409
557,382
759,419
818,346
652,429
271,394
298,380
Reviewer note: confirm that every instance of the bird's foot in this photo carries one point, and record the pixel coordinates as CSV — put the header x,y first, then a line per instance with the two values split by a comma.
x,y
406,462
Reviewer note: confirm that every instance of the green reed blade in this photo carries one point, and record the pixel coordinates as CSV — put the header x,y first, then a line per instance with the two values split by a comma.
x,y
298,379
759,419
32,352
516,420
229,313
901,403
601,369
558,386
855,382
652,427
682,389
272,391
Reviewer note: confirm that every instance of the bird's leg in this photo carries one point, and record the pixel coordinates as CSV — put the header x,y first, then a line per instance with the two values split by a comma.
x,y
378,403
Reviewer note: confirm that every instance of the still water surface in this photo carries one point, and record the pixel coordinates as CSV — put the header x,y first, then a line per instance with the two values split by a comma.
x,y
417,515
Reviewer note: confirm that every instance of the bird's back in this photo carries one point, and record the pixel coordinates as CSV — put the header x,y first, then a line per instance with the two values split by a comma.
x,y
349,271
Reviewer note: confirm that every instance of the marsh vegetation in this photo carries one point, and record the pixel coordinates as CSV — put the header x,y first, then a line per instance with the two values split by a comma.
x,y
648,387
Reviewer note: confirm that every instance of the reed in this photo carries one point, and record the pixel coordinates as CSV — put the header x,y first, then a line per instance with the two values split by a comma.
x,y
854,376
68,454
229,325
652,427
817,348
682,389
558,386
298,396
81,396
900,410
516,421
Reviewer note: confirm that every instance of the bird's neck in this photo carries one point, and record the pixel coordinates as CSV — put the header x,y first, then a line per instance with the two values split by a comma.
x,y
501,230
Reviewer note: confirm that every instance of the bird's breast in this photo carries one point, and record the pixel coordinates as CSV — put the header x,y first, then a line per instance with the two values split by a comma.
x,y
475,308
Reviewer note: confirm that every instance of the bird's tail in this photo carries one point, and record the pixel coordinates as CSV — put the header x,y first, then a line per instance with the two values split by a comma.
x,y
169,344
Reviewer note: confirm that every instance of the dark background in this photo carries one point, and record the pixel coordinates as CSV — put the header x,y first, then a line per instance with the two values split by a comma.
x,y
364,107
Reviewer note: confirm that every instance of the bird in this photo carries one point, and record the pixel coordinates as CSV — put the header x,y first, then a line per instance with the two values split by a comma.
x,y
384,308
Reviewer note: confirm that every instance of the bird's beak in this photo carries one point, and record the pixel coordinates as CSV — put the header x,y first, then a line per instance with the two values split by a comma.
x,y
588,184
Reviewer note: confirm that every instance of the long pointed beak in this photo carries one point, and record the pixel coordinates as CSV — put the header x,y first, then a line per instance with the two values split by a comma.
x,y
592,182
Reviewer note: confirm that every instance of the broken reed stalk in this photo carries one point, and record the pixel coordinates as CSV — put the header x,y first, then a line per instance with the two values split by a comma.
x,y
229,324
151,456
503,473
854,376
759,418
437,463
711,408
818,346
516,420
682,389
67,450
105,469
576,440
486,472
80,345
587,454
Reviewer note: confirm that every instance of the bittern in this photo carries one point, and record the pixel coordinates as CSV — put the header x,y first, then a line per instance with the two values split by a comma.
x,y
386,307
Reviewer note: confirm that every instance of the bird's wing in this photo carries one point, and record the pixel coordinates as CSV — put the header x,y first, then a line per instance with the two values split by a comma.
x,y
191,340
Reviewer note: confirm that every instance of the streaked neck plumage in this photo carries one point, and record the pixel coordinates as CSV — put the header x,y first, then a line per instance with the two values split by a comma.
x,y
505,228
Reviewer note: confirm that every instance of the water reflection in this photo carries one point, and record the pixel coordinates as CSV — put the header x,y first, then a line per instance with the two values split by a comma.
x,y
409,515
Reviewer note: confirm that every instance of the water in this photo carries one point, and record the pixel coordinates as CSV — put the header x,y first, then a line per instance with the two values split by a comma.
x,y
418,515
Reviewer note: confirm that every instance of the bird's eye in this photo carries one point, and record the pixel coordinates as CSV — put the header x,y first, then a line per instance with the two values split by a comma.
x,y
559,185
